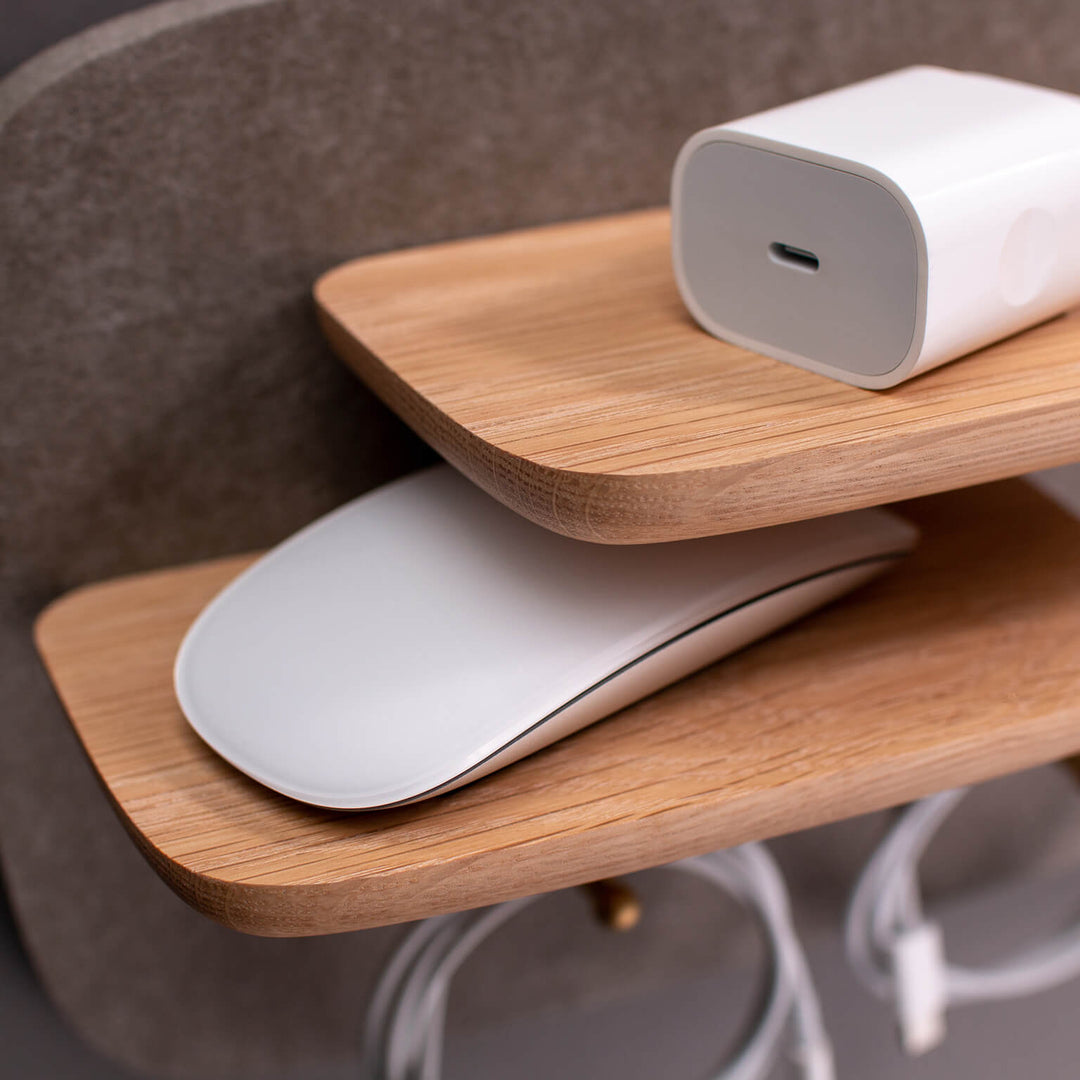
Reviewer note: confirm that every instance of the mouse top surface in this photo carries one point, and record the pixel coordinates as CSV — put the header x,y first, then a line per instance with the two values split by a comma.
x,y
410,634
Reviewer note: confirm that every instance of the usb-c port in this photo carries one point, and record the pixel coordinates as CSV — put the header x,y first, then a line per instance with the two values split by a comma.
x,y
796,258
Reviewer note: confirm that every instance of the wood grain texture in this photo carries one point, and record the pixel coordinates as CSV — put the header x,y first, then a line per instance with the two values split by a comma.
x,y
960,665
558,368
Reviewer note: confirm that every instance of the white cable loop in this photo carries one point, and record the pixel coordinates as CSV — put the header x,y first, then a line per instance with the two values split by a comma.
x,y
404,1031
898,954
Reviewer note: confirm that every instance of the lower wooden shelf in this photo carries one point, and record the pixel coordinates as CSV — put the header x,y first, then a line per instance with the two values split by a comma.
x,y
960,665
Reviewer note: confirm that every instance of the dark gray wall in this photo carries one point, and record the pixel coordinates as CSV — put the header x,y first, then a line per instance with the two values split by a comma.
x,y
28,26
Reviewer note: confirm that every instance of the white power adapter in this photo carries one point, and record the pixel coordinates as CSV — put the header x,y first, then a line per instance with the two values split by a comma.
x,y
876,231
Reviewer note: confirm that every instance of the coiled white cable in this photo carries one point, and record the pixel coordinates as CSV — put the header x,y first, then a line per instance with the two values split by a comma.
x,y
404,1030
898,954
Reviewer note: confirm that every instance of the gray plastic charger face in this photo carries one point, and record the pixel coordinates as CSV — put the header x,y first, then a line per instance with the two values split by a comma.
x,y
816,261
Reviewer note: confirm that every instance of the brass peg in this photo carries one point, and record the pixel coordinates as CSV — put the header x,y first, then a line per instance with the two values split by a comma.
x,y
614,903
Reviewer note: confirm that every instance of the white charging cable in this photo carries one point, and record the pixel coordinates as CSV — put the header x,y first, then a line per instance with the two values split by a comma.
x,y
899,954
404,1031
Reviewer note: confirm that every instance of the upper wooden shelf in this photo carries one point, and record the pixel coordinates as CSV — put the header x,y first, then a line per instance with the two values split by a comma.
x,y
558,368
959,665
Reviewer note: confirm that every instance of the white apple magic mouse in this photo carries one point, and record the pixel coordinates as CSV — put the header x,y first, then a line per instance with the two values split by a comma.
x,y
424,635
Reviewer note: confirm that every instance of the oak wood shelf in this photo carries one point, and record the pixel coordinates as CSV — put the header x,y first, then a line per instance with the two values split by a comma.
x,y
558,368
959,665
